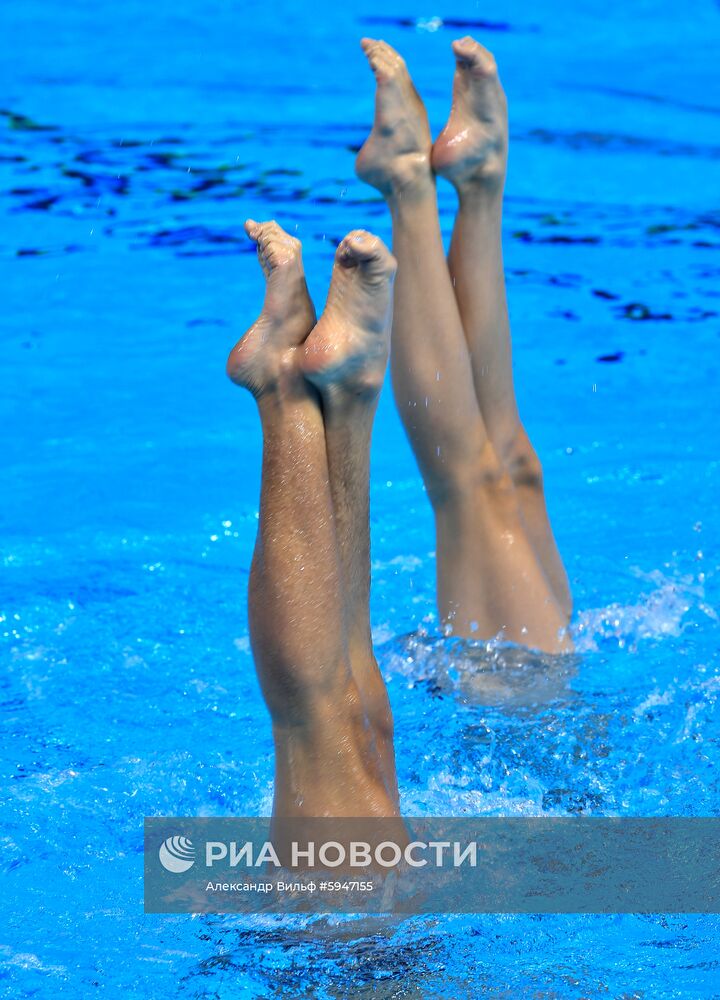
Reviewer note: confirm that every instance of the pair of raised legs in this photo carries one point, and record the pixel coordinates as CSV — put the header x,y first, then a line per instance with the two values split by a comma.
x,y
316,386
499,572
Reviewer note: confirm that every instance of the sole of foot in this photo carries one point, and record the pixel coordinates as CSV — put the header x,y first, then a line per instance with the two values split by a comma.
x,y
267,351
472,147
346,354
397,151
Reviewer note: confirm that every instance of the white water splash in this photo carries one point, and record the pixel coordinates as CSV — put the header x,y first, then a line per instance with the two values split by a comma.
x,y
658,613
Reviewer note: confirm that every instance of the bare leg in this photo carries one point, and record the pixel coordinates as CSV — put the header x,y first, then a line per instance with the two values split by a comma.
x,y
471,152
296,606
489,579
345,357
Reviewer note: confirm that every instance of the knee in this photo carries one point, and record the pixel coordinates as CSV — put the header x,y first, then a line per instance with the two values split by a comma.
x,y
483,474
380,717
522,463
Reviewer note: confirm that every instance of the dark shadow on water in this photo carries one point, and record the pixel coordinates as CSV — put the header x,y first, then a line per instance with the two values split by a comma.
x,y
289,957
483,673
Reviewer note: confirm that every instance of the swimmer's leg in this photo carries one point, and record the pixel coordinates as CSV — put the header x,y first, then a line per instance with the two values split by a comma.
x,y
489,578
345,357
326,760
471,152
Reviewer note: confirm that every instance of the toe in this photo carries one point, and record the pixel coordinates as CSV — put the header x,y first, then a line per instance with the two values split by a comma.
x,y
390,57
384,61
275,247
378,59
363,249
357,246
371,48
268,230
471,54
281,252
388,50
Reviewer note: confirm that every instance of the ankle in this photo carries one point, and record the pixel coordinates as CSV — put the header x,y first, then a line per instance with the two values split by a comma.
x,y
287,391
352,402
410,178
481,190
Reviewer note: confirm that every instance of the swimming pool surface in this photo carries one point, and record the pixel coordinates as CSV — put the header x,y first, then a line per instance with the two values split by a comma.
x,y
135,140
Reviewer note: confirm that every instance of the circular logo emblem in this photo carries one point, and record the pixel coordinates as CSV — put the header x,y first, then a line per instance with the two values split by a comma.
x,y
177,854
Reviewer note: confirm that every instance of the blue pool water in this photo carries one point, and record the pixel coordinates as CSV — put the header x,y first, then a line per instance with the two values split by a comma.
x,y
135,140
